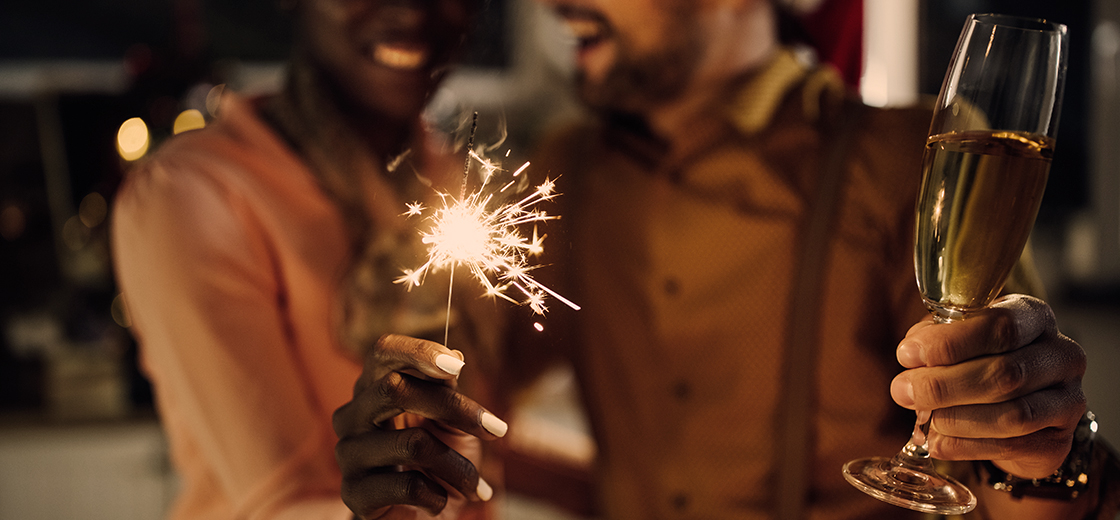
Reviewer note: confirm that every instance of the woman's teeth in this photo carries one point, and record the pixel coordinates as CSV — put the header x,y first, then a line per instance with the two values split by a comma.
x,y
399,56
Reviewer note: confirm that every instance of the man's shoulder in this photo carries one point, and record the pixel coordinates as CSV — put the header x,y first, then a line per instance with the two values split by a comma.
x,y
892,140
885,164
899,122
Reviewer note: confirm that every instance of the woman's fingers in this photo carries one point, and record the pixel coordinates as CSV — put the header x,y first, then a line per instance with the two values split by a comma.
x,y
399,393
389,468
377,455
367,494
428,358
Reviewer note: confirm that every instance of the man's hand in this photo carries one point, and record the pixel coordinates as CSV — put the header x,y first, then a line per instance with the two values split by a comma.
x,y
1004,386
408,441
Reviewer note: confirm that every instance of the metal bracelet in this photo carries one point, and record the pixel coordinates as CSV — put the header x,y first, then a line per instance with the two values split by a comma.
x,y
1067,483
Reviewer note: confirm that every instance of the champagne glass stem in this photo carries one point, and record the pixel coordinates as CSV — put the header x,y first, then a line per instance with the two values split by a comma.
x,y
918,446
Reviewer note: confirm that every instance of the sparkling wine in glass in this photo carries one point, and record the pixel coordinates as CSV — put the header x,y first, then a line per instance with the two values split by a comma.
x,y
985,167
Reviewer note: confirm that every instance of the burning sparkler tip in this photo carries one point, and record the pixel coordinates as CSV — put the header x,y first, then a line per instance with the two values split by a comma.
x,y
485,236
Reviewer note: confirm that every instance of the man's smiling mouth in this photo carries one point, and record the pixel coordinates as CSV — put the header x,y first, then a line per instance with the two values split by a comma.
x,y
588,28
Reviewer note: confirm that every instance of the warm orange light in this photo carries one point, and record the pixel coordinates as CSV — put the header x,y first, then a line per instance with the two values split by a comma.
x,y
133,139
190,119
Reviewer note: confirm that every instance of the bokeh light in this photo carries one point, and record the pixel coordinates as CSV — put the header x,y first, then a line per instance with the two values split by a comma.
x,y
13,221
75,234
213,99
133,139
93,210
120,312
189,119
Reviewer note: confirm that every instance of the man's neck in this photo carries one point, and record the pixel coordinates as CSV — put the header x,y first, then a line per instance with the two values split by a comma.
x,y
751,40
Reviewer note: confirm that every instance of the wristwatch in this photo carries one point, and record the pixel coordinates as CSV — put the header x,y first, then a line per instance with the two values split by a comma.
x,y
1069,481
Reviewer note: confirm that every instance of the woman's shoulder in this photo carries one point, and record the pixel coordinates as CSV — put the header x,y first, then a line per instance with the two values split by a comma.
x,y
238,137
236,154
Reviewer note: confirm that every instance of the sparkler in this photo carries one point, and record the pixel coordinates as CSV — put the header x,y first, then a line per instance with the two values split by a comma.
x,y
477,231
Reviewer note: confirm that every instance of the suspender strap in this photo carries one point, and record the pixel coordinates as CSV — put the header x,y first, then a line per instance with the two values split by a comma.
x,y
795,435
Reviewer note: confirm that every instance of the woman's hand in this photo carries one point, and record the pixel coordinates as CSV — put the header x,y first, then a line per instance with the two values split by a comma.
x,y
409,443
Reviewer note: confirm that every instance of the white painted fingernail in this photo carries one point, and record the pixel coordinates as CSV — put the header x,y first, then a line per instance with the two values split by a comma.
x,y
493,424
485,492
450,364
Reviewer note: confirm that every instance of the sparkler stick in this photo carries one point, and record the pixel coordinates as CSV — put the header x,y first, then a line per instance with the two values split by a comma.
x,y
485,236
467,161
462,196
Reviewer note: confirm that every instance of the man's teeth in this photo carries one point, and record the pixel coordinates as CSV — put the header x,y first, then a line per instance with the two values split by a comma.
x,y
584,30
399,57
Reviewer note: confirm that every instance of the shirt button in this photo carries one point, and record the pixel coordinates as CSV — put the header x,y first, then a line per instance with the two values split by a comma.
x,y
672,286
679,501
682,390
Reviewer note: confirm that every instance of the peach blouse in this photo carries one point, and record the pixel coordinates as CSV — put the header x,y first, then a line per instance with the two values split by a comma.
x,y
229,256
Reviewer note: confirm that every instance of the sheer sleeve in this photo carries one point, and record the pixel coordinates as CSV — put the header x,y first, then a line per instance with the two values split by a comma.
x,y
200,280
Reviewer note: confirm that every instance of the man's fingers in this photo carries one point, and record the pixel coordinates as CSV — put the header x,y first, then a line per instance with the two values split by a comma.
x,y
990,379
1060,407
1009,324
940,344
1028,436
412,447
1032,317
1031,456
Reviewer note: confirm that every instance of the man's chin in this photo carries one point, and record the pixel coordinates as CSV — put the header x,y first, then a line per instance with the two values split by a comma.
x,y
602,98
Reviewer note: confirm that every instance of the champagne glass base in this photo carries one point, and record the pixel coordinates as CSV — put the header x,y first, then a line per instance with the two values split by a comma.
x,y
913,487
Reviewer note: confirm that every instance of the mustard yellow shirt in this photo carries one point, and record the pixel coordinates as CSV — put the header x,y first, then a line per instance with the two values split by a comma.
x,y
684,271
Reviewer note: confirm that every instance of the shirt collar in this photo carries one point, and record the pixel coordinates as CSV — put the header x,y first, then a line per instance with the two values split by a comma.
x,y
750,109
758,100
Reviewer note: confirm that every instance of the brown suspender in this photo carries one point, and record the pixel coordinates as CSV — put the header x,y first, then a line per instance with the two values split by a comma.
x,y
795,432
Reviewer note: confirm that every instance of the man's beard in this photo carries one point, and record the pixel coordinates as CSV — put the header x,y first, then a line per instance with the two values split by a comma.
x,y
635,84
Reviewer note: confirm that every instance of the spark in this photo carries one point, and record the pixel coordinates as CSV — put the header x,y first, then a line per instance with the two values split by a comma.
x,y
414,209
480,232
486,237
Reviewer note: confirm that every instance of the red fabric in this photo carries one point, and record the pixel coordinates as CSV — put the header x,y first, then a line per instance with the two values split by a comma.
x,y
836,28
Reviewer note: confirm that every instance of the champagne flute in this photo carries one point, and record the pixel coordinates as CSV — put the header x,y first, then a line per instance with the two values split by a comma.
x,y
986,162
